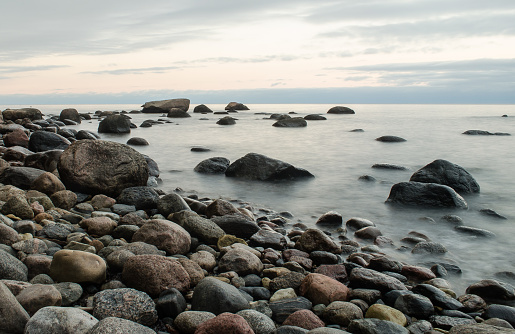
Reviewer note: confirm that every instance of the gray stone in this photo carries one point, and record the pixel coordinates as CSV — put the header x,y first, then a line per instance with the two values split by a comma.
x,y
238,225
217,297
283,308
375,326
199,227
414,305
295,122
115,124
187,322
13,316
70,292
60,320
215,165
425,194
112,325
260,323
171,203
142,197
371,279
11,268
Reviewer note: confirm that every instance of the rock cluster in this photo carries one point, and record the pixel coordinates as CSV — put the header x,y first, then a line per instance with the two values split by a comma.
x,y
136,260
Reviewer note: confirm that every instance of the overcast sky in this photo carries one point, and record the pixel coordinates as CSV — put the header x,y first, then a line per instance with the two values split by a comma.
x,y
345,51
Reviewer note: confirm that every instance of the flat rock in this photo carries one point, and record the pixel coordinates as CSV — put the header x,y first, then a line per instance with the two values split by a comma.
x,y
425,194
60,320
371,279
373,326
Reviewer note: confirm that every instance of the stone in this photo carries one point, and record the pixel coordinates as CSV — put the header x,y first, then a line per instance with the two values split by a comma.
x,y
171,203
268,239
48,183
71,114
321,289
241,261
479,232
294,122
17,137
98,226
178,113
238,225
304,319
371,279
227,120
163,106
60,320
341,313
78,267
225,323
215,296
20,177
12,269
101,167
187,322
385,312
479,329
340,110
390,139
283,308
414,305
41,141
504,312
137,141
141,197
417,274
373,326
14,114
8,235
429,247
314,117
255,166
115,124
215,165
70,292
125,303
259,322
170,303
112,325
154,274
37,296
437,297
334,271
236,106
199,227
203,109
425,194
18,206
446,173
316,240
288,280
64,199
472,303
369,232
13,316
165,235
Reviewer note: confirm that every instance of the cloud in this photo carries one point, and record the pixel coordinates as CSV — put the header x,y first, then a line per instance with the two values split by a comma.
x,y
144,70
20,69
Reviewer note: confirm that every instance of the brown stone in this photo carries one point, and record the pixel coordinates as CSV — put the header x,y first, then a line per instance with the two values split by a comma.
x,y
101,201
220,207
165,235
48,184
316,240
78,267
98,226
226,323
416,273
17,137
321,289
38,296
305,319
64,199
334,271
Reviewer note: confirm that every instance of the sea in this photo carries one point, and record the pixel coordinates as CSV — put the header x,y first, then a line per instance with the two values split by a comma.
x,y
338,156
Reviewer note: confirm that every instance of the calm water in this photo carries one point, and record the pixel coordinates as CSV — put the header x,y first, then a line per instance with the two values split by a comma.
x,y
337,157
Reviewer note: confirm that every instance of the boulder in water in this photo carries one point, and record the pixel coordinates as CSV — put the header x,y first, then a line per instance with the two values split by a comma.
x,y
215,165
340,110
70,114
425,194
295,122
102,167
444,172
40,141
236,106
14,114
178,113
202,109
390,139
254,166
227,120
115,124
164,106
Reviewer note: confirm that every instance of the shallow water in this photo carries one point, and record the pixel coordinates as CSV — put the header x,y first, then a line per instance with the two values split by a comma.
x,y
337,157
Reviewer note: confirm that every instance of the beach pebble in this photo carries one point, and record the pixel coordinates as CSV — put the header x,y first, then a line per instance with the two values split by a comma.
x,y
414,305
98,226
259,322
11,268
304,319
490,289
376,326
281,309
217,297
321,289
225,323
13,316
315,239
154,274
504,312
341,313
241,261
165,235
371,279
113,325
60,320
125,303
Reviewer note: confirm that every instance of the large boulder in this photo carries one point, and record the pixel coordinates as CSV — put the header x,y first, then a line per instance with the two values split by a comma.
x,y
178,113
444,172
203,109
295,122
115,124
236,106
215,165
14,114
164,106
13,316
425,194
255,166
102,167
40,141
71,114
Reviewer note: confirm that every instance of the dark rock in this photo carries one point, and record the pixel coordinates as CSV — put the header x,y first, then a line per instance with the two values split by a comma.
x,y
125,303
375,326
255,166
492,290
217,297
85,134
46,160
115,124
283,308
390,139
257,292
437,297
479,232
487,212
314,117
446,173
429,247
227,120
97,166
216,165
502,312
70,114
446,323
358,223
143,198
178,113
340,110
414,305
203,109
11,268
484,133
14,114
170,303
371,279
137,141
40,141
290,280
225,323
331,218
389,166
20,177
425,194
479,329
200,149
295,122
316,240
237,225
268,239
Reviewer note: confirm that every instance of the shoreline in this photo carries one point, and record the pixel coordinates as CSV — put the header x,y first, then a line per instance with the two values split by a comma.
x,y
346,266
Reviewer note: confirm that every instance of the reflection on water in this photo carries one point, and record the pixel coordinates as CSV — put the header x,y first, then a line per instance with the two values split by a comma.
x,y
338,157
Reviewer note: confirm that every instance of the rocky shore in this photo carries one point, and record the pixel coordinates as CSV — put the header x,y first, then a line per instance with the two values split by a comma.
x,y
89,244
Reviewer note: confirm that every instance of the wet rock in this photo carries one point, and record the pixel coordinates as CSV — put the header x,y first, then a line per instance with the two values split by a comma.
x,y
17,137
479,232
60,320
342,313
472,303
227,120
479,329
414,305
492,290
429,248
236,106
358,223
383,263
388,166
416,273
14,114
142,197
371,279
171,203
372,326
446,173
255,166
331,218
215,296
340,110
502,312
215,165
335,271
125,303
315,239
446,323
115,124
47,183
199,227
40,141
437,297
289,280
102,167
304,319
283,308
268,239
137,141
12,315
492,213
163,106
177,113
203,109
154,274
259,322
70,114
295,122
64,199
20,177
165,235
46,160
241,261
369,232
390,139
425,194
238,225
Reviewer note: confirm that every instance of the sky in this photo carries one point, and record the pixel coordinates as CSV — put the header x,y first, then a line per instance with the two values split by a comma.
x,y
280,51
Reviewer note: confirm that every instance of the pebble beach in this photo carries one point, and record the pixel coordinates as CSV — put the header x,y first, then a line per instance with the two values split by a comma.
x,y
89,243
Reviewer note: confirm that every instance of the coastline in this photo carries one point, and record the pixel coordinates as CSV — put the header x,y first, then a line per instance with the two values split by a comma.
x,y
341,260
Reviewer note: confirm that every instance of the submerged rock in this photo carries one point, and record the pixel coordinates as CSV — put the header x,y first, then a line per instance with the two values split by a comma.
x,y
115,124
340,110
236,106
390,139
216,165
295,122
202,109
425,194
446,173
255,166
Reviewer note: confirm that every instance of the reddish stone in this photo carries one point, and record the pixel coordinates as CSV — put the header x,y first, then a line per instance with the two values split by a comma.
x,y
305,319
288,253
16,138
321,289
335,271
417,273
226,323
